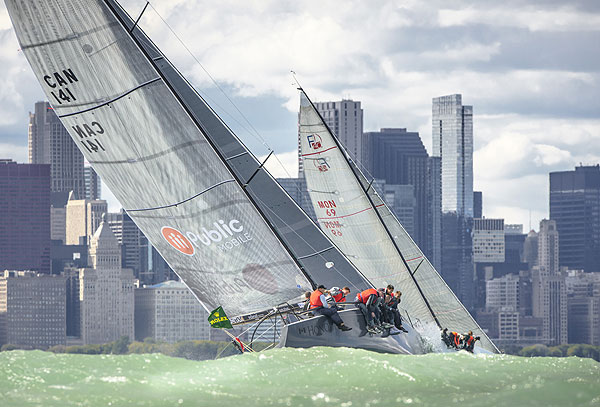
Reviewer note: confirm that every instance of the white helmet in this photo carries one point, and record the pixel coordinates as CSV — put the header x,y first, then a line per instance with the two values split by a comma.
x,y
335,290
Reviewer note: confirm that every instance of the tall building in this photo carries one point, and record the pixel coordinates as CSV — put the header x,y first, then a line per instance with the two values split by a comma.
x,y
345,120
93,186
452,133
488,240
434,173
548,247
401,200
50,143
106,291
24,216
400,158
503,293
134,245
530,249
32,309
83,217
58,215
169,312
457,257
575,206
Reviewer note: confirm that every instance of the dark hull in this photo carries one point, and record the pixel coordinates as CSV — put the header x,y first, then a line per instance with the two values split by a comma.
x,y
320,331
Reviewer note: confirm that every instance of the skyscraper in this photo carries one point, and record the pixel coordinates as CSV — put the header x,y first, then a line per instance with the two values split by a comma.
x,y
452,131
50,143
83,218
477,204
399,157
548,246
575,206
24,216
345,120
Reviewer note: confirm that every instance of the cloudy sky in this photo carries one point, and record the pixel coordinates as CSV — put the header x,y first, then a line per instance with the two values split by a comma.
x,y
529,68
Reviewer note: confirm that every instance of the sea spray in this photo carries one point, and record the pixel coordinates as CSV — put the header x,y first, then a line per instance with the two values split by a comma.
x,y
297,377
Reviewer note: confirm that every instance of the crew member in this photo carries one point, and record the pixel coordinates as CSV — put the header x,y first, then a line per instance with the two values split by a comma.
x,y
337,294
395,312
455,340
319,305
446,338
367,303
469,341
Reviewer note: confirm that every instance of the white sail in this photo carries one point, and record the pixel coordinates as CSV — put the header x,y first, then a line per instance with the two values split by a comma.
x,y
364,228
124,117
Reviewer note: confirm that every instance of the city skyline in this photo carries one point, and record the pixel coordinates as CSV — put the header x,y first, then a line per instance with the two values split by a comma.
x,y
534,113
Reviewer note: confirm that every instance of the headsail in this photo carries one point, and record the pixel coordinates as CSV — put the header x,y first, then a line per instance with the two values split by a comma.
x,y
363,227
125,106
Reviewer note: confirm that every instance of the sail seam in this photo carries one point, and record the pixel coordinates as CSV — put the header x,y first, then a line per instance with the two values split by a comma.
x,y
152,156
181,202
237,155
113,99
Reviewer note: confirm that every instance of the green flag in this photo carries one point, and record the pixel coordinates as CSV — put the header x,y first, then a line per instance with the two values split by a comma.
x,y
218,319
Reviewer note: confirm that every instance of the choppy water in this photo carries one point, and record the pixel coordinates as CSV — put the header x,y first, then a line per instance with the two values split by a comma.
x,y
297,377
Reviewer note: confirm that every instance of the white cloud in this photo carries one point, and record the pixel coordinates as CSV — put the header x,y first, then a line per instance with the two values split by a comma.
x,y
17,153
282,165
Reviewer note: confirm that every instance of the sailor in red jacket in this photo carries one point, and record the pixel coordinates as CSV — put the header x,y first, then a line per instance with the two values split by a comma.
x,y
319,306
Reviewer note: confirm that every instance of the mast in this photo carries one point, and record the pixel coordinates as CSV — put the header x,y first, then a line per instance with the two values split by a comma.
x,y
184,105
340,147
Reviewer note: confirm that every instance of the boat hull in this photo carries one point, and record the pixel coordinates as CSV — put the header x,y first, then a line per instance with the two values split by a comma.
x,y
320,331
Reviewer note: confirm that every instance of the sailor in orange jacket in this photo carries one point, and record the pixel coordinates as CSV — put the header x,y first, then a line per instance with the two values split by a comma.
x,y
367,303
319,306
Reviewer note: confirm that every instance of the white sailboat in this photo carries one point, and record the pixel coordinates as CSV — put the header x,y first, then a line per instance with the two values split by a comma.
x,y
359,222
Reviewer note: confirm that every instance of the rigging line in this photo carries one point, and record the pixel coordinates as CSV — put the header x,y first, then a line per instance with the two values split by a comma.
x,y
181,202
257,134
138,19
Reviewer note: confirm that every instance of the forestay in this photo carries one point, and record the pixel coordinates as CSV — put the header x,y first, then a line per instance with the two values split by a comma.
x,y
153,156
369,234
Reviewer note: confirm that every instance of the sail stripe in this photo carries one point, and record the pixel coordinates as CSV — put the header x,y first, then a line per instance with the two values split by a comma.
x,y
319,152
316,253
112,100
69,37
351,214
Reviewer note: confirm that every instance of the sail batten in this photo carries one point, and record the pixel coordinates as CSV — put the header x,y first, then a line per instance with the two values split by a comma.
x,y
365,229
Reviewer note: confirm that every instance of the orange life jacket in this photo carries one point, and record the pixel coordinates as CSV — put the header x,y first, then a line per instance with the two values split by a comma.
x,y
364,296
456,338
315,299
470,339
340,297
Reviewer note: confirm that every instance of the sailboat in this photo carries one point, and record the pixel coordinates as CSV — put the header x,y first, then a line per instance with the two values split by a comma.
x,y
203,200
351,212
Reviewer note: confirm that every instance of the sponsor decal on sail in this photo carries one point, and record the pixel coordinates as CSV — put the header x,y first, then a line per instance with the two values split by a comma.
x,y
322,164
226,235
218,319
314,141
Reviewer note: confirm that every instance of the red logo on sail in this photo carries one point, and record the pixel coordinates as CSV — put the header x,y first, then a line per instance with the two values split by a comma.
x,y
314,141
322,164
177,240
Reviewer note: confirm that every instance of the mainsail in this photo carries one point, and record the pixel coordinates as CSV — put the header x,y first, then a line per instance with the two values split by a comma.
x,y
360,223
184,178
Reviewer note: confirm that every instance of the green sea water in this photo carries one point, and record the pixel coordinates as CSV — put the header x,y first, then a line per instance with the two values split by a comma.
x,y
297,377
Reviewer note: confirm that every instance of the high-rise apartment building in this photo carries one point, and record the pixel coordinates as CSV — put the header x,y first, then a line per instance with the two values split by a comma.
x,y
106,291
345,119
477,204
503,293
24,216
83,217
93,186
452,131
583,297
32,309
134,245
169,312
575,206
50,143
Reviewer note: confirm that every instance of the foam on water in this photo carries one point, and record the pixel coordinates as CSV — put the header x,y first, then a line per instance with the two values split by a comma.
x,y
297,377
